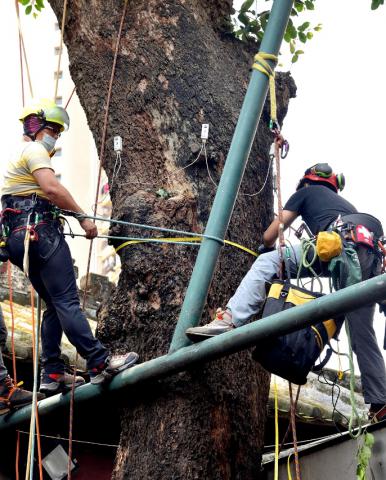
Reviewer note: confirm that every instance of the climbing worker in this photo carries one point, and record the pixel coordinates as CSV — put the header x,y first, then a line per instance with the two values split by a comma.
x,y
31,199
317,201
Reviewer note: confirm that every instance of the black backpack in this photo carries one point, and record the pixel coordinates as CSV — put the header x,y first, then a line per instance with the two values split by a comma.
x,y
294,355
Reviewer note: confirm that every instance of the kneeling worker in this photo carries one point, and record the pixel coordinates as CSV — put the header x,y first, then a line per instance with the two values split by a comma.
x,y
318,203
30,194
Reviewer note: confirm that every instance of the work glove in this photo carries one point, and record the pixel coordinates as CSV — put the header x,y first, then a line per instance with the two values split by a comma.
x,y
263,249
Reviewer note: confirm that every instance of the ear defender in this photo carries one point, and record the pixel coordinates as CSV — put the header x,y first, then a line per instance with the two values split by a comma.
x,y
341,181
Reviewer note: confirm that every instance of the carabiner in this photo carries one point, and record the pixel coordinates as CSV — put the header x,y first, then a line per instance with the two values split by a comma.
x,y
284,149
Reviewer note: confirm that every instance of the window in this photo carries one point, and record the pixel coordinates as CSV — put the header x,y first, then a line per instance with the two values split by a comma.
x,y
56,50
58,152
59,100
60,74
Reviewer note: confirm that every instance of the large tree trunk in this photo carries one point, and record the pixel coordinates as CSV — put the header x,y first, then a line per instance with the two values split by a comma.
x,y
177,69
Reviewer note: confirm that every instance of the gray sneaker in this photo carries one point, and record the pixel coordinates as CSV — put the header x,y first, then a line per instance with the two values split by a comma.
x,y
221,324
53,383
111,366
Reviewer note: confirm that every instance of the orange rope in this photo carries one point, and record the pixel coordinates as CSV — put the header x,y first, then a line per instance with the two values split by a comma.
x,y
10,287
294,436
17,456
70,97
101,160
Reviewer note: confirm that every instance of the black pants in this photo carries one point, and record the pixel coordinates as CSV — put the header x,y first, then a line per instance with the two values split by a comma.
x,y
52,275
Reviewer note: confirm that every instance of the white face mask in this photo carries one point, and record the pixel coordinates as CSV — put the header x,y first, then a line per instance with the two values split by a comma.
x,y
48,142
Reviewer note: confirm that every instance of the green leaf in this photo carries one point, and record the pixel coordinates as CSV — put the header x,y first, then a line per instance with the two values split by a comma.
x,y
287,37
264,19
292,46
318,28
304,26
24,2
28,9
246,6
243,18
310,35
299,6
376,3
299,52
295,58
310,5
302,37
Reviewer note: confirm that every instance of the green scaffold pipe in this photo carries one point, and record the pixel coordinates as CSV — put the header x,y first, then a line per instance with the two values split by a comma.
x,y
329,306
231,178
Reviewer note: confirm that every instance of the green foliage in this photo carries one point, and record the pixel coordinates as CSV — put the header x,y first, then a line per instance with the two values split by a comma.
x,y
32,6
251,24
364,455
376,3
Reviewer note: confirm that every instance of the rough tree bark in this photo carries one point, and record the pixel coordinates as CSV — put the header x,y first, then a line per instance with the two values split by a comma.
x,y
178,67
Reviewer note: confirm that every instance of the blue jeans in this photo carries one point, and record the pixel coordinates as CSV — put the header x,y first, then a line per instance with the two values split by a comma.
x,y
250,295
52,275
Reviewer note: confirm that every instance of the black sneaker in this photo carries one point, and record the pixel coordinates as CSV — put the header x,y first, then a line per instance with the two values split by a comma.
x,y
11,396
53,383
111,366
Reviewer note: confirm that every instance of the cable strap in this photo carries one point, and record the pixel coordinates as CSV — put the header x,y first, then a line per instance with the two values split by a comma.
x,y
263,66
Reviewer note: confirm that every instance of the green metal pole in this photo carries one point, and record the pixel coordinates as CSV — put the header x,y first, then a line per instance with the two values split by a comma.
x,y
238,339
232,175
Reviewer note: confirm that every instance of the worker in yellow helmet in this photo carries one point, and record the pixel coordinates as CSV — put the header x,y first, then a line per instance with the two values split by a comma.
x,y
31,196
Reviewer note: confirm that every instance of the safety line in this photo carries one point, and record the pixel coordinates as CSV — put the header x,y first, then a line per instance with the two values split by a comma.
x,y
14,373
144,226
86,442
20,58
70,97
276,464
60,49
23,49
294,436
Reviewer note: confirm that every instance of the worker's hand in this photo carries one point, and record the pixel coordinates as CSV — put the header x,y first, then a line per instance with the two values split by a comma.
x,y
263,249
89,227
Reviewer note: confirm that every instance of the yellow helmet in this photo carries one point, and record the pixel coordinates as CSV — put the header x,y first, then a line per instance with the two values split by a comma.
x,y
46,111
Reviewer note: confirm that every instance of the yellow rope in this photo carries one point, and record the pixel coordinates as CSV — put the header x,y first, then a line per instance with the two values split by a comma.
x,y
263,66
289,467
182,239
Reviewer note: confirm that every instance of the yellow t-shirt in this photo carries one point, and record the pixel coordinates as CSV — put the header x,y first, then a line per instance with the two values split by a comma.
x,y
18,178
